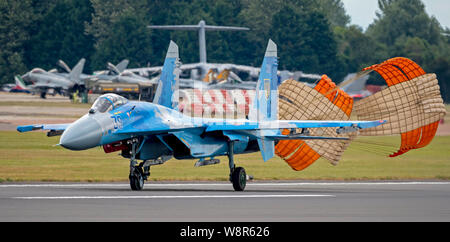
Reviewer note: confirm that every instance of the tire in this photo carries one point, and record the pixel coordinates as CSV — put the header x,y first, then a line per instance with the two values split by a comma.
x,y
136,180
239,179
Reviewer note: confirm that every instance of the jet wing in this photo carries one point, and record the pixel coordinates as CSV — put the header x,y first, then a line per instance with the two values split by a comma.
x,y
210,125
52,127
288,124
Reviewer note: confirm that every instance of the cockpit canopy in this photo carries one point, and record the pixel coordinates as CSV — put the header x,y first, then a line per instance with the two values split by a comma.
x,y
37,71
107,102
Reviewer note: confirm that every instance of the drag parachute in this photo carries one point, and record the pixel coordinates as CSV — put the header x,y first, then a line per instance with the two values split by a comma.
x,y
411,104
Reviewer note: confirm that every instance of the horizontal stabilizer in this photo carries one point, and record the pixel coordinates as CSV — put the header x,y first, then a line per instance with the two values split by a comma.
x,y
304,137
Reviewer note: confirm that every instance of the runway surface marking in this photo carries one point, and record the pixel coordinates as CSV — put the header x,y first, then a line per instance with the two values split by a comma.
x,y
174,197
225,184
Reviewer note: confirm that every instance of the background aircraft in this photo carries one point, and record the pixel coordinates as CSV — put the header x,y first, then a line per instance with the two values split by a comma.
x,y
131,78
117,73
43,80
194,73
154,132
112,72
355,86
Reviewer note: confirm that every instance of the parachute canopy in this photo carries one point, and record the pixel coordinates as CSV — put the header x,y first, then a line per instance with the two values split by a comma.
x,y
411,104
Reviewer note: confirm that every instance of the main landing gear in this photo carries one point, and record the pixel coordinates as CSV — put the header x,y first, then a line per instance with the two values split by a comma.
x,y
237,174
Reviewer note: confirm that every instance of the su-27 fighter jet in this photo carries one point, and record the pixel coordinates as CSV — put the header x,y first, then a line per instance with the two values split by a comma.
x,y
155,132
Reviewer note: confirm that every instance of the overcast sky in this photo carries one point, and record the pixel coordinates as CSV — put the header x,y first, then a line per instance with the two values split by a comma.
x,y
362,12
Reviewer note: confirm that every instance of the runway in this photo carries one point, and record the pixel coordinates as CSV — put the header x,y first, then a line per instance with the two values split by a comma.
x,y
216,201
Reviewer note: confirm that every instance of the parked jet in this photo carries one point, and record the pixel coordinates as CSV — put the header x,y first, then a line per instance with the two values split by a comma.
x,y
130,78
43,80
118,74
106,75
155,132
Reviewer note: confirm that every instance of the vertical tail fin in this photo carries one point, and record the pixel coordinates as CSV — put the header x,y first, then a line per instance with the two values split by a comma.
x,y
19,82
63,65
74,75
119,68
265,103
122,65
168,84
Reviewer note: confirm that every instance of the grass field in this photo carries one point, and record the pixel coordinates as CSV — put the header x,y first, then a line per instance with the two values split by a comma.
x,y
33,157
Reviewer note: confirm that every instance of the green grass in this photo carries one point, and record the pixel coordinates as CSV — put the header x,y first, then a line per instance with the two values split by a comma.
x,y
447,116
33,157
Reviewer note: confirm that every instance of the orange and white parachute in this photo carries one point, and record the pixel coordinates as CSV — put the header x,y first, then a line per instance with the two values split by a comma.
x,y
411,103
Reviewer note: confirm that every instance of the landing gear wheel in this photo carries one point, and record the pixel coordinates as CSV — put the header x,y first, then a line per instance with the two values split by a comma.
x,y
239,179
136,180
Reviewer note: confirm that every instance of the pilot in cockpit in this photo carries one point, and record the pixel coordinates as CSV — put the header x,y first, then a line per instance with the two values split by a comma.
x,y
107,102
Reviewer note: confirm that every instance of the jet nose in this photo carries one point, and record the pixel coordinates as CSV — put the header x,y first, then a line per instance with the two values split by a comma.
x,y
85,133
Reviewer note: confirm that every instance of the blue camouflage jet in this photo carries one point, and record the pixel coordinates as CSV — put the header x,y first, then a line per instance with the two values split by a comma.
x,y
155,132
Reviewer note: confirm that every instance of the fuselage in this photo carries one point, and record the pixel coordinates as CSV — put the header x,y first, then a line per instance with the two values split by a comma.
x,y
42,78
162,130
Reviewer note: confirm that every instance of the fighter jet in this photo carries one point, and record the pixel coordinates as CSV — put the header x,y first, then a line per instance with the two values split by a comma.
x,y
112,72
43,80
130,78
155,132
119,74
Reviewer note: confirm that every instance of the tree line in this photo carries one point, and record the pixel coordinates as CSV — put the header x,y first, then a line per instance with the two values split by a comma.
x,y
314,36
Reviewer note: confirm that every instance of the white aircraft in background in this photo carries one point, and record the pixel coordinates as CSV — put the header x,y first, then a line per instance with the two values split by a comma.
x,y
214,75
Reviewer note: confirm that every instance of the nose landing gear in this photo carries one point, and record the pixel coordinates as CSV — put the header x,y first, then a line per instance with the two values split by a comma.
x,y
136,179
137,175
140,173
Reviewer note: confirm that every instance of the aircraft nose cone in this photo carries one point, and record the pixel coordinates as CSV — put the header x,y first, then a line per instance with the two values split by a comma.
x,y
85,133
